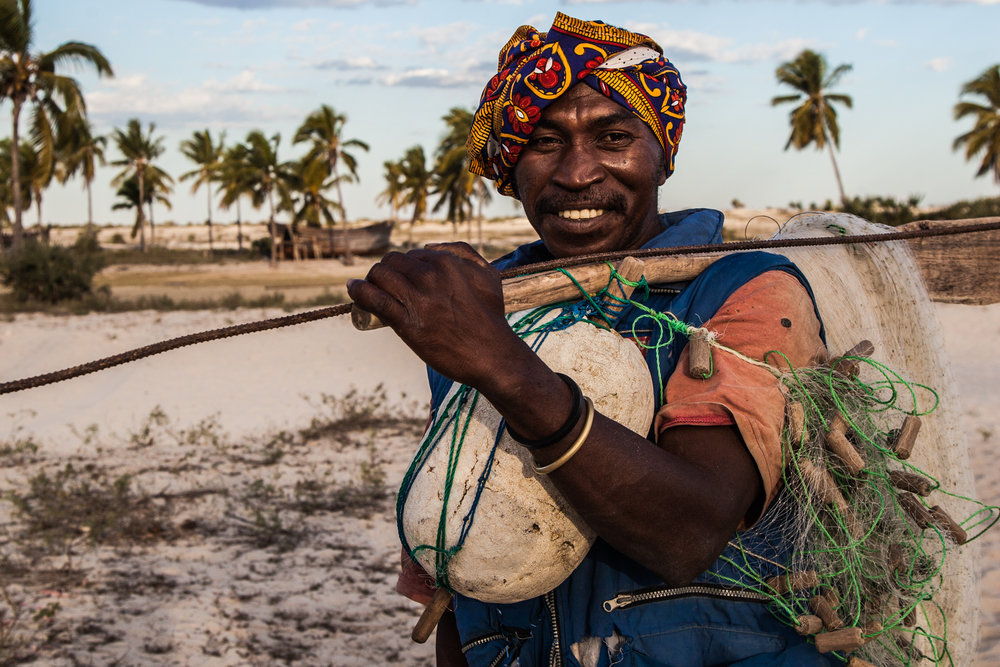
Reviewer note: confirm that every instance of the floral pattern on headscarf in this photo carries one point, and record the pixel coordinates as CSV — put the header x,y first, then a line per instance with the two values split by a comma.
x,y
535,69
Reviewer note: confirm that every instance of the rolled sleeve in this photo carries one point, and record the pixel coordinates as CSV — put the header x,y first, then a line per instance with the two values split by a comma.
x,y
772,312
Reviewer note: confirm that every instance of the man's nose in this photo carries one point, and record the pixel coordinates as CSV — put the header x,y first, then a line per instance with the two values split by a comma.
x,y
578,168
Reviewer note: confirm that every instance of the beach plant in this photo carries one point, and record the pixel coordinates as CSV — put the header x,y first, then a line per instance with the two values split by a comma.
x,y
39,272
984,137
79,152
139,148
73,504
417,179
30,77
266,178
204,152
814,120
324,129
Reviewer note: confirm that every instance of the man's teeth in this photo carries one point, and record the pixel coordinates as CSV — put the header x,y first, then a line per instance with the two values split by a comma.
x,y
581,214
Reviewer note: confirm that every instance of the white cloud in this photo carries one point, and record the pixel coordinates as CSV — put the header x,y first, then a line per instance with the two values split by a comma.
x,y
135,95
938,64
860,34
689,45
430,77
304,25
358,63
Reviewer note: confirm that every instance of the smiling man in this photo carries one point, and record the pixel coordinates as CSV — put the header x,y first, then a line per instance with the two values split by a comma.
x,y
582,125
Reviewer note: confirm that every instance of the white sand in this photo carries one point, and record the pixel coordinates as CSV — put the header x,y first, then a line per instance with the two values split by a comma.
x,y
253,385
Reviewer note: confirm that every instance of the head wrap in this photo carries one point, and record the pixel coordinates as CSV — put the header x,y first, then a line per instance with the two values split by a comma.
x,y
535,69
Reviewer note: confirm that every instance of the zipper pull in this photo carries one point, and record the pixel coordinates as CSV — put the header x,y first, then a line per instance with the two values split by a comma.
x,y
617,602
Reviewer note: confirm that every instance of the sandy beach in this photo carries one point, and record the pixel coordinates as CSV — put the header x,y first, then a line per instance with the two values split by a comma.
x,y
265,488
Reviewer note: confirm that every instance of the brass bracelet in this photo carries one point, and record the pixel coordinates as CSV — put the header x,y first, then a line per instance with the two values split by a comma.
x,y
588,421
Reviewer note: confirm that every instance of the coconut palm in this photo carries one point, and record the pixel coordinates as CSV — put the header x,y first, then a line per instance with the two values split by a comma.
x,y
29,77
814,121
6,183
138,150
393,194
80,151
310,182
416,184
324,128
452,180
129,197
984,137
267,177
204,152
235,182
36,176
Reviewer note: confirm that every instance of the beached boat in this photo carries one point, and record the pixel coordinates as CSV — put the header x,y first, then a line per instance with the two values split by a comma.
x,y
302,242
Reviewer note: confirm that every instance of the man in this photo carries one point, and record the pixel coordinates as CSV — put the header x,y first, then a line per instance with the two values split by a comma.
x,y
582,124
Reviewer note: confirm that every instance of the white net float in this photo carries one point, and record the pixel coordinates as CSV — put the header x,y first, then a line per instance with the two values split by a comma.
x,y
524,539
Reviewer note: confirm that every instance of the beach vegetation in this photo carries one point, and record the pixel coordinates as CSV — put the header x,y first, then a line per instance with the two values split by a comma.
x,y
983,140
49,274
324,129
267,178
417,180
207,154
80,151
814,120
30,78
139,148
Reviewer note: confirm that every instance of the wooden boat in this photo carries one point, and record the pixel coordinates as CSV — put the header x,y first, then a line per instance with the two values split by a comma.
x,y
302,242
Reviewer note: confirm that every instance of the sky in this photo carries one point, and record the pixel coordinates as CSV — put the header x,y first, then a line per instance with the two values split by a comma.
x,y
395,67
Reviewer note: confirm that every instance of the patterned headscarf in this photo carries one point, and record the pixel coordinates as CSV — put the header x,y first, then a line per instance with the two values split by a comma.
x,y
535,69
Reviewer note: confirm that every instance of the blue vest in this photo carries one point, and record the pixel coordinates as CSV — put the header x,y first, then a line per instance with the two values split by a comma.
x,y
710,621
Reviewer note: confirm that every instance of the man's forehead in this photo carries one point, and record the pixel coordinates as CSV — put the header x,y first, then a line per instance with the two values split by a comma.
x,y
586,106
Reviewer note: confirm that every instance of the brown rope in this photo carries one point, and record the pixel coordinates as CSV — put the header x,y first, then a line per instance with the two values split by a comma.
x,y
919,229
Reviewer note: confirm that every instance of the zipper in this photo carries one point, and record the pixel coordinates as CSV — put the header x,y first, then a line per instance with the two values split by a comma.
x,y
623,600
486,639
555,654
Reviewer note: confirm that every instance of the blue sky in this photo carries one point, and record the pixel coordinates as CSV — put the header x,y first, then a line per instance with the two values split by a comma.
x,y
394,67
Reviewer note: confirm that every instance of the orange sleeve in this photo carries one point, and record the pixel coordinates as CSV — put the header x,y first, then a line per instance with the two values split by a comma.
x,y
772,312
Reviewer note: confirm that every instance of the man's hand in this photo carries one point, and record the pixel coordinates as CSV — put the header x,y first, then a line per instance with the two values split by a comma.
x,y
445,302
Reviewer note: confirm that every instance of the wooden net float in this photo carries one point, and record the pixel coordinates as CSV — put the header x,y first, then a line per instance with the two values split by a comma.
x,y
524,538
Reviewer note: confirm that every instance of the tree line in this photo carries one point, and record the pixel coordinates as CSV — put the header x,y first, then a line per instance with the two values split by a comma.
x,y
61,145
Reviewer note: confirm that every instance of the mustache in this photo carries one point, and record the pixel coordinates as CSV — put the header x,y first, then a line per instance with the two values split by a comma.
x,y
554,203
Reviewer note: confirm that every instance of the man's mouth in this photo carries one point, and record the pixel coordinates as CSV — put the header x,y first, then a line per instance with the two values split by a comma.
x,y
580,214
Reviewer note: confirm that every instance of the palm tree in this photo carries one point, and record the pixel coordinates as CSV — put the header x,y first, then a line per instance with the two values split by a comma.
x,y
984,137
204,152
267,177
138,150
393,194
129,197
235,182
814,121
416,184
310,181
452,181
36,175
158,184
324,128
6,183
29,77
80,151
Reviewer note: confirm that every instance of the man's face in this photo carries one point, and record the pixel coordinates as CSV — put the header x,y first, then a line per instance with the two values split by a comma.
x,y
588,176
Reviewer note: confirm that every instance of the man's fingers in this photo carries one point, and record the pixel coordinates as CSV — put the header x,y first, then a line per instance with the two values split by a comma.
x,y
376,301
459,249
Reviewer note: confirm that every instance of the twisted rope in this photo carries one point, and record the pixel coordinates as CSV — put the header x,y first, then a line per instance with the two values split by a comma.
x,y
921,230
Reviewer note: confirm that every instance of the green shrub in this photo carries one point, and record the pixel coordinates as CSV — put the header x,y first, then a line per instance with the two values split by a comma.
x,y
117,238
977,208
50,273
883,210
261,246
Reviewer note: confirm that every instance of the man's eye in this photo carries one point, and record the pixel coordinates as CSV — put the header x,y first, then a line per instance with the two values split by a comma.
x,y
617,137
544,141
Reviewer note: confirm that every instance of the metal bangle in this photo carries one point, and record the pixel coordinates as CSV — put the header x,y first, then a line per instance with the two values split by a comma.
x,y
575,447
563,431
